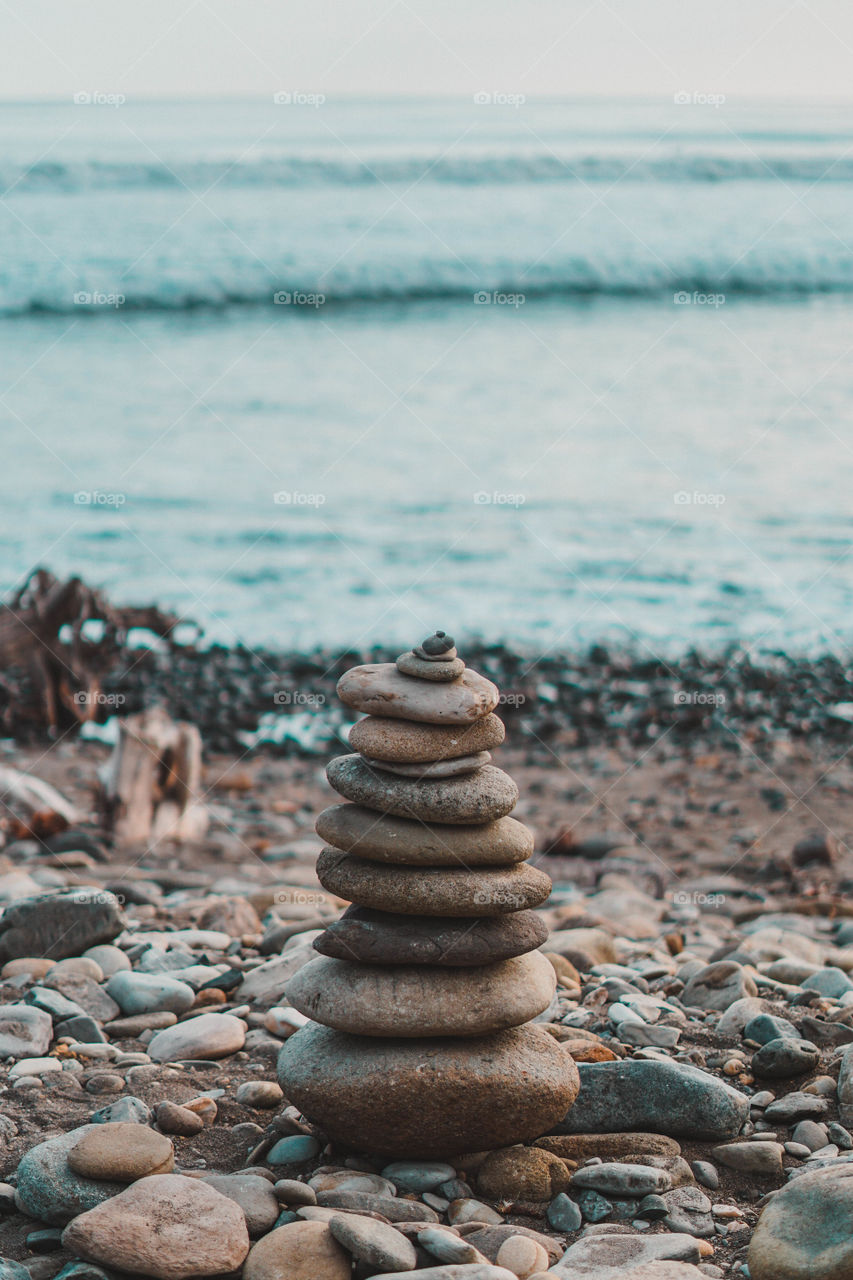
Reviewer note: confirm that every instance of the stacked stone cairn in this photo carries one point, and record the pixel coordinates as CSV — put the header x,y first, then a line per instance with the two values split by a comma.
x,y
421,1041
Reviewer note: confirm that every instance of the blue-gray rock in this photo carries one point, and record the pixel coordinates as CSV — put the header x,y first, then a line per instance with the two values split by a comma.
x,y
59,924
418,1175
652,1208
593,1207
81,1028
25,1032
47,1188
130,1110
622,1179
806,1230
766,1027
780,1059
829,982
705,1173
689,1210
563,1214
657,1097
797,1106
81,1271
149,993
840,1136
294,1150
53,1002
10,1270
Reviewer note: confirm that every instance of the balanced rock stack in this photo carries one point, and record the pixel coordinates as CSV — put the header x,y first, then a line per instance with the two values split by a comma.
x,y
420,1042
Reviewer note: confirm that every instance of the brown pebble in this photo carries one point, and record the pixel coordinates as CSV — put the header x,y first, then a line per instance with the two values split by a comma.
x,y
171,1118
104,1083
210,995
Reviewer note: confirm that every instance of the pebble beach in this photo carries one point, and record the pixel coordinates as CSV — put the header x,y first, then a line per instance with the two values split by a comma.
x,y
695,981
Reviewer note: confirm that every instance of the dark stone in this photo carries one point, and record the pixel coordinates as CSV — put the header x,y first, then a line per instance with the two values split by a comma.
x,y
780,1059
660,1097
425,1098
58,925
764,1028
45,1240
379,937
83,1028
438,643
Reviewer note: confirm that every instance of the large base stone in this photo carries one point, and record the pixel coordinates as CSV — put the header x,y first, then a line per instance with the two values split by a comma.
x,y
436,1097
381,937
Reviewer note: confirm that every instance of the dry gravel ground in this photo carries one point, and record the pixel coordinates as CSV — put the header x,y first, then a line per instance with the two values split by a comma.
x,y
715,826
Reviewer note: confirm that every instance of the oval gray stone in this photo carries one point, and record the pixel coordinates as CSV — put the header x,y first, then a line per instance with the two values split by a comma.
x,y
378,688
659,1097
379,937
356,829
408,1000
432,891
483,796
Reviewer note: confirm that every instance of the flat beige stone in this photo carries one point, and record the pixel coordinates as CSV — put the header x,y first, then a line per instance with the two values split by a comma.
x,y
384,838
432,891
298,1251
378,688
408,742
121,1152
483,796
413,1000
169,1227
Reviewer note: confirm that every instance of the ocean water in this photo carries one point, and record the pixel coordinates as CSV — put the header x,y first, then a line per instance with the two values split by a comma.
x,y
330,373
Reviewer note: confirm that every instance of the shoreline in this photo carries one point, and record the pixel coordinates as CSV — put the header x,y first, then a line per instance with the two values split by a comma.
x,y
237,696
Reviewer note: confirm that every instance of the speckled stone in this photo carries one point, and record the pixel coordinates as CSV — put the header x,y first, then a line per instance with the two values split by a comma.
x,y
378,688
356,829
411,1000
408,742
432,891
483,796
378,937
438,1097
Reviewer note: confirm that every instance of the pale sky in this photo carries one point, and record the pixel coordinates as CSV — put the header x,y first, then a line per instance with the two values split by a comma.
x,y
216,48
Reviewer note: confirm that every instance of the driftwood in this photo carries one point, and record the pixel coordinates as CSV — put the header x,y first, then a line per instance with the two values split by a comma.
x,y
152,783
51,665
31,807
